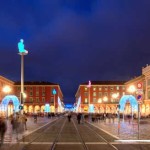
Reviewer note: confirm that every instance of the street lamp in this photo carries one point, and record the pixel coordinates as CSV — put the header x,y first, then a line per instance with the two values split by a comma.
x,y
22,53
6,89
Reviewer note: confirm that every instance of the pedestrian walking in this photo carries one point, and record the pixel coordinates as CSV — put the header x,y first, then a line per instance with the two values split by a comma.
x,y
79,117
15,124
69,117
24,121
3,128
35,118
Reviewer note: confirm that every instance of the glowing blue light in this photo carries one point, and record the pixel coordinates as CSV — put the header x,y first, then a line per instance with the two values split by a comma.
x,y
91,108
9,98
47,108
128,98
54,92
21,47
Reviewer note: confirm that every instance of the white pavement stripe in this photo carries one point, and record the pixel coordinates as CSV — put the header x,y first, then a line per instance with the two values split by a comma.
x,y
134,141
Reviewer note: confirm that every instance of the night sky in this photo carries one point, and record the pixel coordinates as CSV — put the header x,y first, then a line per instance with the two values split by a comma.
x,y
74,41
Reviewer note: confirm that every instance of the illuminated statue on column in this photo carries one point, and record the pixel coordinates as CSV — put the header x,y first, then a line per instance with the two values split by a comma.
x,y
21,47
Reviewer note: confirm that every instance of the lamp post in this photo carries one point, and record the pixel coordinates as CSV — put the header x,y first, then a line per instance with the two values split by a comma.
x,y
54,93
132,90
22,53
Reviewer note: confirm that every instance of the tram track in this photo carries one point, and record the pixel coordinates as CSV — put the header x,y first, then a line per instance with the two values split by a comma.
x,y
61,134
100,136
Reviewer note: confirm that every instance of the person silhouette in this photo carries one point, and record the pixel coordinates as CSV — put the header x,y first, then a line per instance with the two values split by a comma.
x,y
21,47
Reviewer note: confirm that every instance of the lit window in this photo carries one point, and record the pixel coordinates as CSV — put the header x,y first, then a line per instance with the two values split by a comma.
x,y
86,100
117,87
85,88
94,93
106,88
100,88
94,89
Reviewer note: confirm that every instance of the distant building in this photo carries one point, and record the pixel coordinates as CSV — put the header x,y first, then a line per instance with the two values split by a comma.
x,y
99,95
38,94
142,93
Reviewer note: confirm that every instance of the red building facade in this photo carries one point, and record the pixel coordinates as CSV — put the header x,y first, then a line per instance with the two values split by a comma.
x,y
100,94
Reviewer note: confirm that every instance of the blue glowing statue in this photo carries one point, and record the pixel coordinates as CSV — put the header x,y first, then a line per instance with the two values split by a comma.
x,y
21,47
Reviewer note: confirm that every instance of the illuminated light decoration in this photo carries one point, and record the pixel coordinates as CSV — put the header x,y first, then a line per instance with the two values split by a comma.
x,y
21,47
60,105
91,108
78,104
47,108
89,85
128,98
9,98
54,92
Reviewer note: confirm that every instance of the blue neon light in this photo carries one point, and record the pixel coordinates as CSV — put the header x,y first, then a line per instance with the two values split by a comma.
x,y
54,92
91,108
47,108
131,99
9,98
21,47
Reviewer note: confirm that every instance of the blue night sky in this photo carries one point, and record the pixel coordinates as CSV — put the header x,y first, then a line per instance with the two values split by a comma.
x,y
73,41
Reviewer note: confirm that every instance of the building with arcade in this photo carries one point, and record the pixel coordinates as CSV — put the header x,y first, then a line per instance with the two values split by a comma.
x,y
39,97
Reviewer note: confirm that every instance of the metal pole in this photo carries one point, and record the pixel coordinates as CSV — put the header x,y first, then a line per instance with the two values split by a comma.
x,y
138,121
118,122
22,80
54,103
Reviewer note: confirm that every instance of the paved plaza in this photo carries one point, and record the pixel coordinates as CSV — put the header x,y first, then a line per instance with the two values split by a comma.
x,y
128,129
10,136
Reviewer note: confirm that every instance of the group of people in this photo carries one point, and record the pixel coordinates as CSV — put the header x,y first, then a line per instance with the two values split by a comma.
x,y
80,117
18,122
3,128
